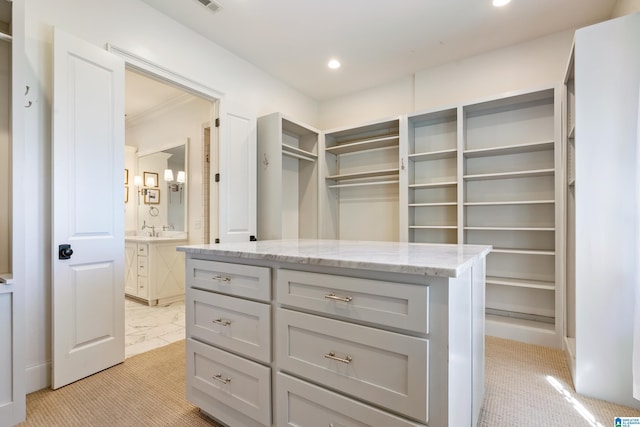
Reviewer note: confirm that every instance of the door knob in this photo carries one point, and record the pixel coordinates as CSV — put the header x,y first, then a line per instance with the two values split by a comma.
x,y
64,251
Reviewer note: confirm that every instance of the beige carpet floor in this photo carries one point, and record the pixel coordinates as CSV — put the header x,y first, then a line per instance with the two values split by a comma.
x,y
145,390
526,386
530,386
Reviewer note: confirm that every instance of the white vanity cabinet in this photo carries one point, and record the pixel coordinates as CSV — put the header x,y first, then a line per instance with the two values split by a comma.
x,y
321,332
154,270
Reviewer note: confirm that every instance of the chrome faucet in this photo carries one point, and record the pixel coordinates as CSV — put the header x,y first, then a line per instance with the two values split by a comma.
x,y
152,227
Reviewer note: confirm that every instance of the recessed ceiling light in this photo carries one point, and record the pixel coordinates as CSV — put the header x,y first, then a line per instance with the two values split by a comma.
x,y
500,3
334,64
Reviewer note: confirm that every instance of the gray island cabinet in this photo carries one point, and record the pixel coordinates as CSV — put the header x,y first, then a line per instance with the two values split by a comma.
x,y
335,333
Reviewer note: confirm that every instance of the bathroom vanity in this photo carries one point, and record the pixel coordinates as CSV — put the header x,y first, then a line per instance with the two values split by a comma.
x,y
327,332
154,270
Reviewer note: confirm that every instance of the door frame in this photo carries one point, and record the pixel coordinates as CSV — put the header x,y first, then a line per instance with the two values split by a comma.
x,y
158,72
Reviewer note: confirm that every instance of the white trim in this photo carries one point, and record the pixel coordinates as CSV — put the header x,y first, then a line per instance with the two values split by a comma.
x,y
145,66
37,377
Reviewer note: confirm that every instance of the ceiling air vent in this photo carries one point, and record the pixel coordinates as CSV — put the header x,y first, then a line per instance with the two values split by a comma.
x,y
211,5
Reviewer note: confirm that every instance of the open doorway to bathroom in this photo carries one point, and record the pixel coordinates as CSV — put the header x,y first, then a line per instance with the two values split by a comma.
x,y
163,122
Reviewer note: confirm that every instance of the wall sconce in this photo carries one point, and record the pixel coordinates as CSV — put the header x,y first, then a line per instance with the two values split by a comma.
x,y
178,186
137,181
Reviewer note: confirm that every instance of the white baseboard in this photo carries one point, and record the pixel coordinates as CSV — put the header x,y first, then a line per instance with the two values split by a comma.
x,y
518,330
37,377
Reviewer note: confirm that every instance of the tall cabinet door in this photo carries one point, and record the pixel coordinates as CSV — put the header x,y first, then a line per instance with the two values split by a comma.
x,y
12,395
237,175
12,296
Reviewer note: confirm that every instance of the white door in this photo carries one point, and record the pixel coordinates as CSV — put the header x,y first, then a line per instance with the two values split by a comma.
x,y
88,209
237,168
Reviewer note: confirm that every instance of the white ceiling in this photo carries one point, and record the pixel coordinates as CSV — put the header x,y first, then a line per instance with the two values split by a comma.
x,y
377,42
144,95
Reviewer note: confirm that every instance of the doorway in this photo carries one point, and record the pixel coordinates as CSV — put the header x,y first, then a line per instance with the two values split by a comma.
x,y
161,115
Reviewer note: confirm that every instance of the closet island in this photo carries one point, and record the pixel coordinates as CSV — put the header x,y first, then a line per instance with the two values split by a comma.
x,y
335,332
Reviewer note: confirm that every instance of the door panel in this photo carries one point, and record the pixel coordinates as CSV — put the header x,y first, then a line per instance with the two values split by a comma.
x,y
238,191
88,160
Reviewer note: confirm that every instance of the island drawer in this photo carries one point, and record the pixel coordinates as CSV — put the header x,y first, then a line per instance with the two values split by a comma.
x,y
238,383
300,402
396,305
239,325
234,279
382,367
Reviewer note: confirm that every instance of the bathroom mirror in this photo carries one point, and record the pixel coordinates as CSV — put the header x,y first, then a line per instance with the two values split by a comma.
x,y
163,200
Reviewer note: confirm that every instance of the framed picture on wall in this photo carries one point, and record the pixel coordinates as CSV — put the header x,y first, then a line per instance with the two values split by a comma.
x,y
150,179
152,197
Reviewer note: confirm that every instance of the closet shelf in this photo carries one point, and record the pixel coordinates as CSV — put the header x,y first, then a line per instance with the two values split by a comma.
x,y
509,149
433,227
523,252
289,150
360,175
365,145
522,283
434,185
572,132
511,228
364,184
434,155
545,327
511,202
571,182
6,37
433,204
505,175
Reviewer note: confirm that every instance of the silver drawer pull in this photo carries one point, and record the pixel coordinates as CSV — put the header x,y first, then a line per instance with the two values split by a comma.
x,y
225,279
218,377
338,298
222,322
333,356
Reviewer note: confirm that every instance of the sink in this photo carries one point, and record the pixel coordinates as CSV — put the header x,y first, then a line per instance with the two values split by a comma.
x,y
160,236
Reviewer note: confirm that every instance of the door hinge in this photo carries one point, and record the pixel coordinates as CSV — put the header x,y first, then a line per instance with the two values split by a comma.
x,y
217,177
217,240
217,122
206,158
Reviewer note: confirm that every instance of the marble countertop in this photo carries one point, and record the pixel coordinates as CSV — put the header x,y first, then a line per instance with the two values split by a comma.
x,y
395,257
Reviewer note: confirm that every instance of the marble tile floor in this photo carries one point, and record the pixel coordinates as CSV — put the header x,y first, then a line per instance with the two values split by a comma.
x,y
148,327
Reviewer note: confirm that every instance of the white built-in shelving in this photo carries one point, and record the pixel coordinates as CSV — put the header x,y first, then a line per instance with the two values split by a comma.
x,y
510,201
6,27
361,172
432,181
602,187
569,131
287,178
488,172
